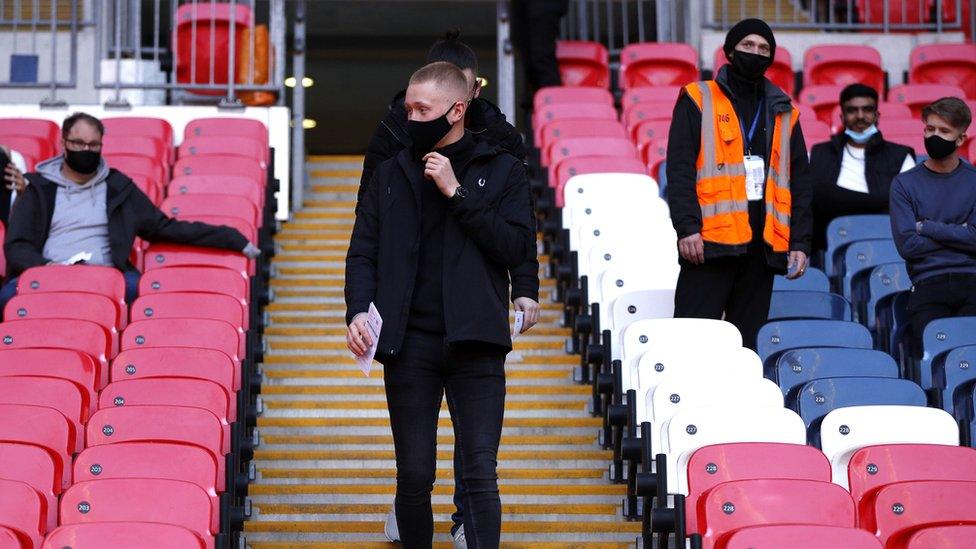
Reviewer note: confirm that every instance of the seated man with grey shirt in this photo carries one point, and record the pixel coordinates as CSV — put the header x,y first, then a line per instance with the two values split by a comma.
x,y
78,209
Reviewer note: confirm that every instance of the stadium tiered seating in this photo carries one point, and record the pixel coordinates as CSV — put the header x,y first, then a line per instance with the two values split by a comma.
x,y
840,65
779,336
23,512
903,508
917,96
951,64
796,367
134,535
33,465
822,99
793,304
658,64
801,536
569,94
940,336
583,63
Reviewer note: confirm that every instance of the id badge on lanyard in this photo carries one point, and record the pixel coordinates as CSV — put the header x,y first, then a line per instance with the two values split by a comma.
x,y
755,166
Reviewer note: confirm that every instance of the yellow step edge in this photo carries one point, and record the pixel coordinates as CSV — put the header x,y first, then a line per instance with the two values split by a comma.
x,y
442,473
439,489
546,422
302,225
440,508
574,389
350,188
508,527
337,158
339,247
302,455
306,214
525,440
306,283
336,173
381,405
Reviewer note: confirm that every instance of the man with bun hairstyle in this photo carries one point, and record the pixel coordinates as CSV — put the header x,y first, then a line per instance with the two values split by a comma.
x,y
437,230
737,186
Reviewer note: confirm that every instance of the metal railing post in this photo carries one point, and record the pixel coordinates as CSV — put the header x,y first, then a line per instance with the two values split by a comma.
x,y
506,63
278,31
53,102
231,101
298,109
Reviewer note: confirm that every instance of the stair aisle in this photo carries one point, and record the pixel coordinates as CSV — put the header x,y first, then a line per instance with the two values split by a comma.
x,y
325,467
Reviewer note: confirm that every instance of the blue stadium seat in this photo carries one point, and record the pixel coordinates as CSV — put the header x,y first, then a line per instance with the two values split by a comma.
x,y
814,280
818,397
783,335
798,366
849,228
941,335
886,280
806,304
955,374
859,258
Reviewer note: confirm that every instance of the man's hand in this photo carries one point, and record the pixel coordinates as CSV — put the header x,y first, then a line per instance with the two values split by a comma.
x,y
797,264
13,178
692,248
251,251
358,339
531,310
438,169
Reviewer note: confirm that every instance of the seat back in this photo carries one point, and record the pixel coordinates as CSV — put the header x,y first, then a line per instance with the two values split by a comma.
x,y
650,94
238,145
184,205
801,536
190,305
798,366
33,465
135,145
156,168
58,394
160,256
860,258
916,96
227,127
781,335
845,430
202,37
951,64
156,128
759,502
22,510
74,366
221,165
217,184
59,333
577,127
947,537
570,94
214,280
941,335
658,64
791,305
840,65
903,508
132,535
176,362
106,281
660,364
841,231
180,332
34,127
68,305
28,146
195,393
819,397
583,63
590,146
560,111
886,280
649,130
583,165
822,99
956,375
43,427
685,333
813,280
152,423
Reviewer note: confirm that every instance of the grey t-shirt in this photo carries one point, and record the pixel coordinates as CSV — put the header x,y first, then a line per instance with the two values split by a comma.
x,y
80,219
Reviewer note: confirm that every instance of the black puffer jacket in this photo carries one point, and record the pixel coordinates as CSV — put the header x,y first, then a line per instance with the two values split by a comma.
x,y
487,123
486,234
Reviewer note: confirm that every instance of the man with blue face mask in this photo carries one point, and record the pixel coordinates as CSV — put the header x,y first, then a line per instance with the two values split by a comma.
x,y
852,172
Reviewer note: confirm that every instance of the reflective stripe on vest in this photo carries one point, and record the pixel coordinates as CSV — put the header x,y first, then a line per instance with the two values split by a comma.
x,y
721,173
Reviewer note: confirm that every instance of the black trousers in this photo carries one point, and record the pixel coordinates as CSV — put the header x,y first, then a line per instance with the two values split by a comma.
x,y
940,296
535,28
737,287
473,377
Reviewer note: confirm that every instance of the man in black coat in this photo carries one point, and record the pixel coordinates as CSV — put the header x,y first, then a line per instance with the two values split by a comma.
x,y
76,204
852,173
438,229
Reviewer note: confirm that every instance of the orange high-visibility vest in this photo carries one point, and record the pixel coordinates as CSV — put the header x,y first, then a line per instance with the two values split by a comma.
x,y
721,177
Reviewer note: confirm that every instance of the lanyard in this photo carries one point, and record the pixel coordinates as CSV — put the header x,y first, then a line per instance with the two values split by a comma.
x,y
752,128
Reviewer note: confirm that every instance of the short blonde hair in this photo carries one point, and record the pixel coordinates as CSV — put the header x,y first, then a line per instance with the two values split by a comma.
x,y
445,75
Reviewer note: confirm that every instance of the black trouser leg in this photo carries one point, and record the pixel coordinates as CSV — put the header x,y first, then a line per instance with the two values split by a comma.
x,y
748,306
940,297
458,516
703,290
475,379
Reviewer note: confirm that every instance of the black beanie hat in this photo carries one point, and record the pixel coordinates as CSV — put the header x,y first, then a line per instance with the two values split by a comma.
x,y
745,28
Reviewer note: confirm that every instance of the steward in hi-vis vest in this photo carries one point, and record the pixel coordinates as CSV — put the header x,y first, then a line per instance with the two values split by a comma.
x,y
738,186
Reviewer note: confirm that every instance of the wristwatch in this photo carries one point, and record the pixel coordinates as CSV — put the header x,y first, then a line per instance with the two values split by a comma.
x,y
460,193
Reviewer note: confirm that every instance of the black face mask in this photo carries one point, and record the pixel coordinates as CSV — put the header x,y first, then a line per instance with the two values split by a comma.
x,y
425,135
939,148
750,66
83,162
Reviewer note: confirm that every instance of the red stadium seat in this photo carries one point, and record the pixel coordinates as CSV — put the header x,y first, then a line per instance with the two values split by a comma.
x,y
972,150
174,424
131,535
135,145
58,333
176,332
3,259
43,427
888,111
227,127
23,511
873,467
194,393
58,394
74,305
943,537
222,165
822,98
33,127
182,205
176,362
159,256
559,111
225,145
916,96
649,130
34,466
551,95
905,126
139,164
74,366
806,111
202,42
757,502
635,114
573,127
712,465
951,64
191,305
915,141
843,64
903,508
580,165
156,128
814,131
106,281
217,184
654,153
149,186
583,63
801,536
651,94
658,64
29,146
242,225
9,539
779,73
589,146
899,13
151,500
194,279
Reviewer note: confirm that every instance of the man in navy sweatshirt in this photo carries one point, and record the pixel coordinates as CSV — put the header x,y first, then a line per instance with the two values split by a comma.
x,y
933,220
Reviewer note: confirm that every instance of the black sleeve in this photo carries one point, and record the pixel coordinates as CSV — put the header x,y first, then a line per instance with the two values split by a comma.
x,y
505,135
525,277
361,258
504,231
382,146
23,246
801,194
155,226
684,142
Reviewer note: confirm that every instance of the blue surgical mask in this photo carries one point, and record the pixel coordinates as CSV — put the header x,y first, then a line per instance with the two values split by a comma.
x,y
862,137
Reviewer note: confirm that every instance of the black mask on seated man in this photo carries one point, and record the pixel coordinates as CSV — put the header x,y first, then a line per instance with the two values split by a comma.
x,y
83,162
750,66
939,148
425,135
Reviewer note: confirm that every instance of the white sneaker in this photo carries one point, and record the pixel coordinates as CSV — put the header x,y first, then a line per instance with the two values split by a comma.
x,y
390,529
459,541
